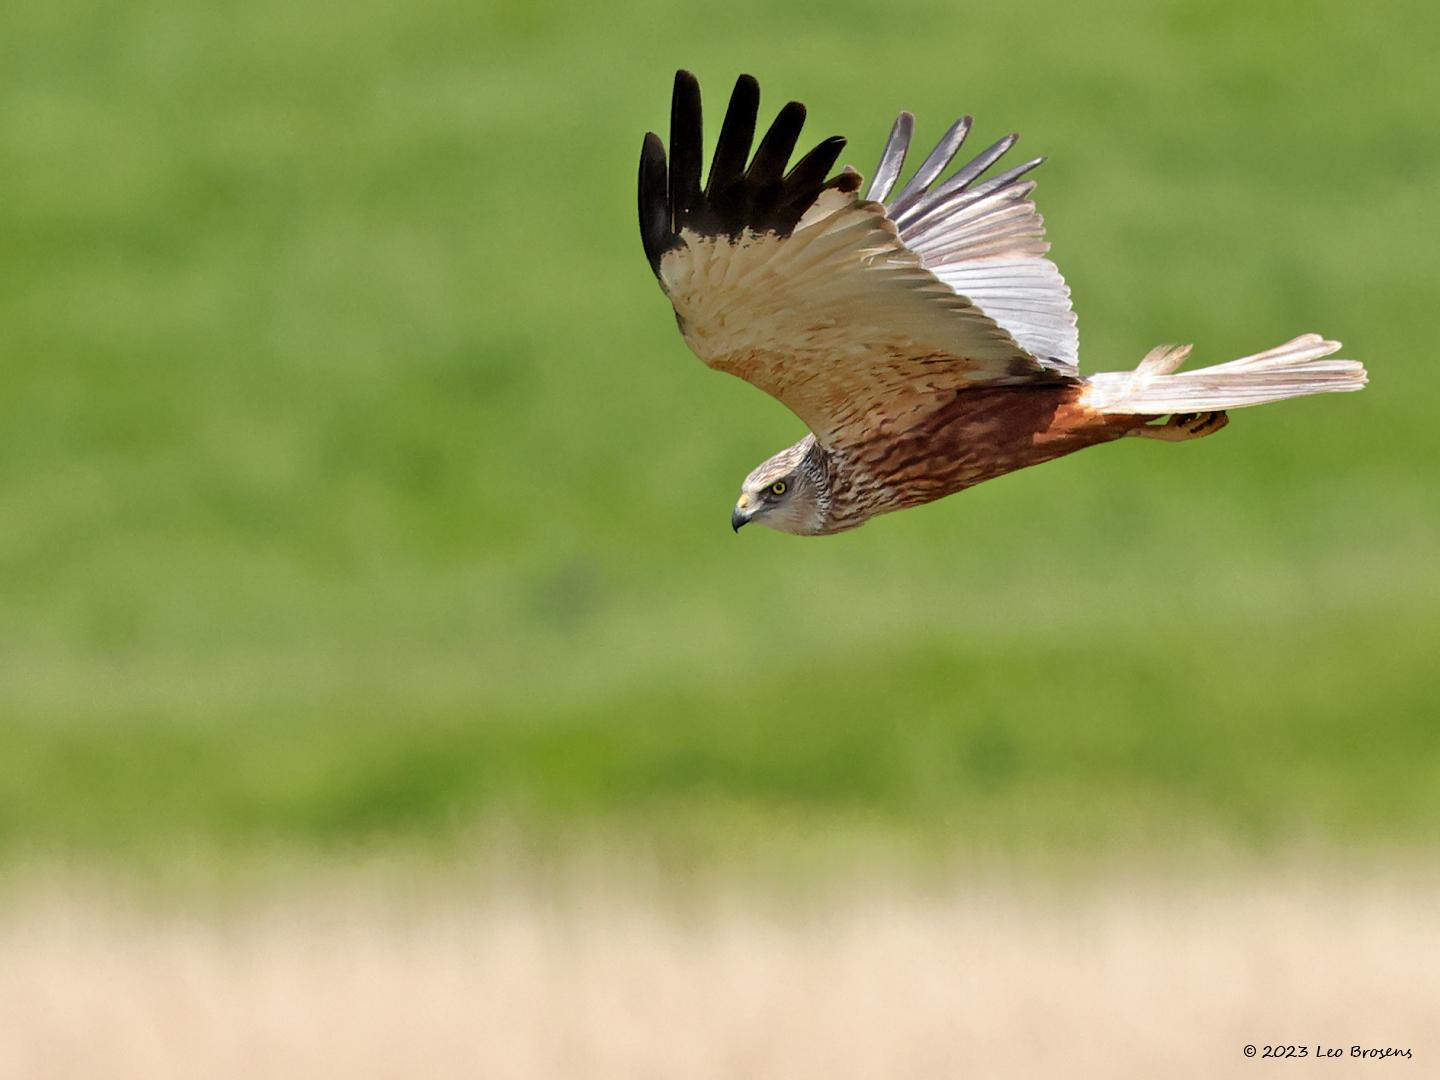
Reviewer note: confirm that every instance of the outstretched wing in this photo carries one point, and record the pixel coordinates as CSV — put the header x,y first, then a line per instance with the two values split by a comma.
x,y
985,239
794,283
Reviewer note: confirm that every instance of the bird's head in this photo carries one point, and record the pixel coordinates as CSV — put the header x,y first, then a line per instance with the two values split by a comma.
x,y
787,492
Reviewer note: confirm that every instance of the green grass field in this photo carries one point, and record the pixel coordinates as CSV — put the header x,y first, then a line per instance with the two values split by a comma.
x,y
357,488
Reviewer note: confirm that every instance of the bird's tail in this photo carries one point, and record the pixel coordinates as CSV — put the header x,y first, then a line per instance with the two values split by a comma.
x,y
1295,369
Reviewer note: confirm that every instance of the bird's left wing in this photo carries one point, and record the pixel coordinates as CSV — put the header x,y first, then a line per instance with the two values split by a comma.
x,y
799,286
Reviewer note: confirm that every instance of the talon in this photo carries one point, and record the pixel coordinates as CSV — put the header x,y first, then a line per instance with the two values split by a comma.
x,y
1180,427
1212,422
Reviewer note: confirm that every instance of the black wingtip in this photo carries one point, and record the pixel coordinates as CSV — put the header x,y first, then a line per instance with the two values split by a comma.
x,y
759,196
808,176
687,150
654,205
685,84
776,147
737,132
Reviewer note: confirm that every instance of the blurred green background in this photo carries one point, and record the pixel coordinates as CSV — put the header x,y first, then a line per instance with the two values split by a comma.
x,y
358,490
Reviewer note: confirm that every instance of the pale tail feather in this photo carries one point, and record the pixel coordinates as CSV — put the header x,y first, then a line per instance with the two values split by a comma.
x,y
1295,369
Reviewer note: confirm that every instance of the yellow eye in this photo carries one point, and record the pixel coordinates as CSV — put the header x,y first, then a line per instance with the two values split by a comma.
x,y
778,487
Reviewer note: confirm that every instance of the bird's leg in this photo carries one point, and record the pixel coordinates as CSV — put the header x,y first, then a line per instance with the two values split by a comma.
x,y
1182,427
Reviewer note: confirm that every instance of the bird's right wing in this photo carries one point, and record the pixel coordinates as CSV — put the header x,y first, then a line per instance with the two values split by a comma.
x,y
800,287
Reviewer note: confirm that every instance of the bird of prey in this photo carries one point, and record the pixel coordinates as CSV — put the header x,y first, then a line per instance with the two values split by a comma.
x,y
922,335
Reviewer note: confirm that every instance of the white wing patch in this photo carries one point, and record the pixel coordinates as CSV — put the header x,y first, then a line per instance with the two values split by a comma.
x,y
1028,297
986,240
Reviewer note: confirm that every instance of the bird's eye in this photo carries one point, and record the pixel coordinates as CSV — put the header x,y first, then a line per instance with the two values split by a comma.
x,y
778,487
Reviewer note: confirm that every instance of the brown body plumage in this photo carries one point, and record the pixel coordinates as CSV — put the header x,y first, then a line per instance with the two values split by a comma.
x,y
974,436
926,340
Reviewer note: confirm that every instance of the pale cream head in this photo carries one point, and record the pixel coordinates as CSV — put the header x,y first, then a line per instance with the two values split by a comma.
x,y
783,493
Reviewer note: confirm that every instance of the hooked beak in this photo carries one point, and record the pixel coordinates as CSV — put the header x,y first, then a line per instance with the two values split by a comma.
x,y
738,516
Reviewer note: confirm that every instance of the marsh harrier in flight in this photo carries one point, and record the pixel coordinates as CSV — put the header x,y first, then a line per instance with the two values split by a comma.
x,y
922,335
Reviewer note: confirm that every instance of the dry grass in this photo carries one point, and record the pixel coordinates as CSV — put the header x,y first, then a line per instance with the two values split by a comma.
x,y
1132,978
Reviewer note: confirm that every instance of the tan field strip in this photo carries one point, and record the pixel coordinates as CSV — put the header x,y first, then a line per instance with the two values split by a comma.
x,y
1125,977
